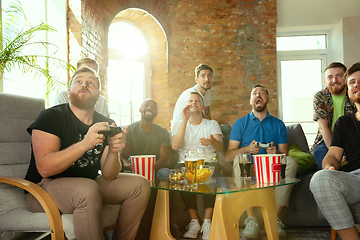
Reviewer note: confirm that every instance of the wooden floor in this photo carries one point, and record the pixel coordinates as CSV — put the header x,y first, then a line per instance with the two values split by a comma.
x,y
292,234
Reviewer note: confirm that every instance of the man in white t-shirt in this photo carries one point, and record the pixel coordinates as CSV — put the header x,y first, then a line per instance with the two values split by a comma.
x,y
62,97
195,131
204,79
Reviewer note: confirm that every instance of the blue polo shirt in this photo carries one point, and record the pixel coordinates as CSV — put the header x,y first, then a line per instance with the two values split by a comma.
x,y
249,128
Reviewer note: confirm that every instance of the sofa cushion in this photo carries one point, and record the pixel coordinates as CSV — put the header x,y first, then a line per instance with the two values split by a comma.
x,y
296,135
306,161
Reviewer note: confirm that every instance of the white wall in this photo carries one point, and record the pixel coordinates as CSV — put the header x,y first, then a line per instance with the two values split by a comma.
x,y
305,15
351,36
338,19
336,52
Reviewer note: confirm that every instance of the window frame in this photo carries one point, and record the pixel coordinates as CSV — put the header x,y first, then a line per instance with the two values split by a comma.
x,y
294,55
145,58
323,58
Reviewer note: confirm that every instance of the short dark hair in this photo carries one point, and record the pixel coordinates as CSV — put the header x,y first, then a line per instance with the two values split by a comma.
x,y
335,65
87,60
200,67
259,85
85,69
354,68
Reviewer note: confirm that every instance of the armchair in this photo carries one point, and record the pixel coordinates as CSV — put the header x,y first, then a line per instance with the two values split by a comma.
x,y
16,114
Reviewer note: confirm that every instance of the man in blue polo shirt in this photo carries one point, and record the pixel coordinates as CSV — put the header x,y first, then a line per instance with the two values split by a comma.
x,y
260,126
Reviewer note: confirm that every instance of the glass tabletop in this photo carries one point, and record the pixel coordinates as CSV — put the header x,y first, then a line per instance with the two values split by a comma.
x,y
219,185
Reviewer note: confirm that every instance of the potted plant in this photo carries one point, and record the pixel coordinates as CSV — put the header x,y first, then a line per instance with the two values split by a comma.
x,y
19,49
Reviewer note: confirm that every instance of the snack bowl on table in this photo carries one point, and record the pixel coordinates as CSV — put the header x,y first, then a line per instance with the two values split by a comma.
x,y
176,175
204,173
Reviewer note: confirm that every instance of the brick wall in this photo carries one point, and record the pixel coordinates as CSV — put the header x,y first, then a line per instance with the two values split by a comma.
x,y
236,37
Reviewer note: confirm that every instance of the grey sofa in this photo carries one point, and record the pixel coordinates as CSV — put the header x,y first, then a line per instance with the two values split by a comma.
x,y
301,212
16,114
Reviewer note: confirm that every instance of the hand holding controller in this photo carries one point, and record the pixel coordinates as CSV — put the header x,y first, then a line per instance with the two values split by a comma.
x,y
113,131
263,145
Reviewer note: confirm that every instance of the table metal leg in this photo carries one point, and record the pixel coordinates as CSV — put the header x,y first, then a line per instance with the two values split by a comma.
x,y
229,207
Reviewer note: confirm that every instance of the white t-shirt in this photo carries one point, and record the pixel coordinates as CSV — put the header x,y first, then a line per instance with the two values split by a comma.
x,y
181,102
101,106
193,133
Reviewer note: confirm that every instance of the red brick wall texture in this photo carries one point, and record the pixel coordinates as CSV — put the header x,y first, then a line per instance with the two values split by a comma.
x,y
236,37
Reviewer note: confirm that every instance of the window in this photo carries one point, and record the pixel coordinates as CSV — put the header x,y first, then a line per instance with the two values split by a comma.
x,y
301,60
128,72
15,82
301,43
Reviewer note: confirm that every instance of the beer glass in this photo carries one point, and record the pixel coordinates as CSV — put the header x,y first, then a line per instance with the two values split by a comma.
x,y
191,168
245,166
201,156
283,166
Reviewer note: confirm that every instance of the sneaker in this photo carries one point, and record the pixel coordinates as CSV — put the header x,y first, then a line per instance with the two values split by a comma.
x,y
193,229
281,231
205,229
251,228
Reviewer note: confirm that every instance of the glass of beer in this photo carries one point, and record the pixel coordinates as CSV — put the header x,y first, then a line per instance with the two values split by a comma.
x,y
191,168
201,156
283,166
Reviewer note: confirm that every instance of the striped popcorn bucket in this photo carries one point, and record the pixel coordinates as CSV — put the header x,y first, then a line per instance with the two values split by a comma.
x,y
144,165
267,167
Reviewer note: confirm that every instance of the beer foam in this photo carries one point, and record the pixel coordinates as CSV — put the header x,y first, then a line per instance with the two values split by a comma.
x,y
244,158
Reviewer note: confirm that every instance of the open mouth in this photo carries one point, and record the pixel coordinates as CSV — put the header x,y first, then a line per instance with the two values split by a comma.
x,y
149,112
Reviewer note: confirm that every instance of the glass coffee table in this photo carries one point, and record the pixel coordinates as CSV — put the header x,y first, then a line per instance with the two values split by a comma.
x,y
234,196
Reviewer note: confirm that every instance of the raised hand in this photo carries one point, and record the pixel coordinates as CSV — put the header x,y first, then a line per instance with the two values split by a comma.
x,y
186,112
207,141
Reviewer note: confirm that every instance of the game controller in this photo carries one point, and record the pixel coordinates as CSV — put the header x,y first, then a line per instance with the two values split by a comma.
x,y
113,131
263,145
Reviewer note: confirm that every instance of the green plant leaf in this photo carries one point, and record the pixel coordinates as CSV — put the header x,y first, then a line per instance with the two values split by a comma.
x,y
20,48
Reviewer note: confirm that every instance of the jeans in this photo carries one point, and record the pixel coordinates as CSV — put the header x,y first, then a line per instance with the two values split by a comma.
x,y
319,153
162,173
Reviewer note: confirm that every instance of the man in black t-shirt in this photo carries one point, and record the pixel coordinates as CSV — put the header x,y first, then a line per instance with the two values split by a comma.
x,y
336,187
68,151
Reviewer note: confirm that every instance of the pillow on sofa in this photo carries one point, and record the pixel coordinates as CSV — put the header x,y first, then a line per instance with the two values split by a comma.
x,y
296,135
306,161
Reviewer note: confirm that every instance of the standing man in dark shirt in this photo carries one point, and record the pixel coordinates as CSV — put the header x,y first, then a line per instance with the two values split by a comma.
x,y
68,151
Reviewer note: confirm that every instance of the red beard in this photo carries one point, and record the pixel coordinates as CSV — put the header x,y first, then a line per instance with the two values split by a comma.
x,y
336,90
83,101
355,98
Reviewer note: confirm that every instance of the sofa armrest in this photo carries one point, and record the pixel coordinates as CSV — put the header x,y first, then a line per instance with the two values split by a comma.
x,y
48,204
